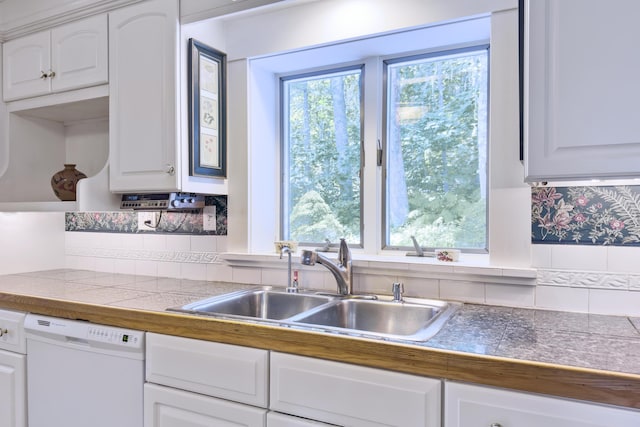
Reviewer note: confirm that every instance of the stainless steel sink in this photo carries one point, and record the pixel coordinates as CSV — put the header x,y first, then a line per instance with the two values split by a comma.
x,y
413,319
262,303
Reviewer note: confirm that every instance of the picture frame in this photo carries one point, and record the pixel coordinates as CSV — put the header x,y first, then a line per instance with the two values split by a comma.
x,y
207,110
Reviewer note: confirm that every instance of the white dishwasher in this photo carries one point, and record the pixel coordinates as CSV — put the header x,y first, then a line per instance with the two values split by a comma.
x,y
81,374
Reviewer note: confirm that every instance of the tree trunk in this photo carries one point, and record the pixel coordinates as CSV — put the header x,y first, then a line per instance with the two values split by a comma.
x,y
398,201
341,137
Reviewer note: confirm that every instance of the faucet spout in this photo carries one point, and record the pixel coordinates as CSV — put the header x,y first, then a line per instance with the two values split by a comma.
x,y
290,286
342,270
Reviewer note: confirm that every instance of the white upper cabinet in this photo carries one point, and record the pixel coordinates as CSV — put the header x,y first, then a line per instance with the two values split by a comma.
x,y
581,89
143,93
68,57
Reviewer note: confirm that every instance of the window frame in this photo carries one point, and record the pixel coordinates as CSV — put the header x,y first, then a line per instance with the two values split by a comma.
x,y
284,176
431,53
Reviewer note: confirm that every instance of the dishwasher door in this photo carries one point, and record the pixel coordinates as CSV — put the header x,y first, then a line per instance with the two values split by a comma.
x,y
81,374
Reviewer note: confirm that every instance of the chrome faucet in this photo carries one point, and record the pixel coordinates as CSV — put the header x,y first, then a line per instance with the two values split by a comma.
x,y
290,285
342,270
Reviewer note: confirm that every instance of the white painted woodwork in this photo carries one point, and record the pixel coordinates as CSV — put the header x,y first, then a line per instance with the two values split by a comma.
x,y
581,89
13,391
276,419
471,405
143,110
24,61
219,370
344,394
169,407
77,53
13,369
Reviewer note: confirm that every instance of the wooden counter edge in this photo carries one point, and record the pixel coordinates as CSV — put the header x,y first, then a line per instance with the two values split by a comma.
x,y
605,387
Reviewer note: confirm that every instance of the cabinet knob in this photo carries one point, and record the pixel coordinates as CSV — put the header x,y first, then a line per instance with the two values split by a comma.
x,y
171,170
3,331
495,425
44,75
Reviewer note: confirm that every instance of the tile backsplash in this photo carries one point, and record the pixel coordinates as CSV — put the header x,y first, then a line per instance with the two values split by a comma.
x,y
590,215
168,223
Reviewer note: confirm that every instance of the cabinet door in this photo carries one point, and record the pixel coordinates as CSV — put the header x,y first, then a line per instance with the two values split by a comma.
x,y
79,54
169,407
350,395
25,60
143,55
581,89
471,406
13,391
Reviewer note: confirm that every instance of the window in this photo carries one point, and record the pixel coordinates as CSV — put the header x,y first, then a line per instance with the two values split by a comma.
x,y
321,156
436,146
435,110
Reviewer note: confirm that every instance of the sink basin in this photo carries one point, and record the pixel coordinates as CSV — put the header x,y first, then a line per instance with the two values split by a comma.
x,y
258,304
404,321
414,319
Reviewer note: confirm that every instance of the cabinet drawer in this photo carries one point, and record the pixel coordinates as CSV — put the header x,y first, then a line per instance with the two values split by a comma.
x,y
470,405
276,419
350,395
219,370
168,407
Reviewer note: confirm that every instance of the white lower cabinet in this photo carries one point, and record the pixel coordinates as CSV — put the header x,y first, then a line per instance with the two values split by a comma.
x,y
13,369
474,406
194,383
13,389
350,395
170,407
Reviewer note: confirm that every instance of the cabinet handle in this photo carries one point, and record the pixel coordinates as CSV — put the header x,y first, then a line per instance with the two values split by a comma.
x,y
3,331
44,75
171,170
495,425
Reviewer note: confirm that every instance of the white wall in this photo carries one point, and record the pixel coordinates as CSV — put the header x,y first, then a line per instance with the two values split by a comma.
x,y
31,241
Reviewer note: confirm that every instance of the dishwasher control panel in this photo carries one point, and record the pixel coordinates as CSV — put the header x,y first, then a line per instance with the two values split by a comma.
x,y
114,335
84,333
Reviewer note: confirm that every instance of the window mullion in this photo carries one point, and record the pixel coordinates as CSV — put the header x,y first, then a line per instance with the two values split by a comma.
x,y
372,173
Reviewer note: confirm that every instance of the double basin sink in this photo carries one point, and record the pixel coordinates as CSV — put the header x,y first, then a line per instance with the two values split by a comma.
x,y
412,319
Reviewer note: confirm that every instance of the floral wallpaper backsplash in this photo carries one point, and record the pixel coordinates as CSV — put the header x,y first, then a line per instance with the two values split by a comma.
x,y
169,222
598,215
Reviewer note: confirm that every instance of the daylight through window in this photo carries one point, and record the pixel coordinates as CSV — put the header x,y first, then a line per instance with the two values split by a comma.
x,y
321,156
436,143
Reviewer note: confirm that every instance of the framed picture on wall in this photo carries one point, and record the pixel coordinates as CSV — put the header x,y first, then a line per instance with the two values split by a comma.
x,y
207,111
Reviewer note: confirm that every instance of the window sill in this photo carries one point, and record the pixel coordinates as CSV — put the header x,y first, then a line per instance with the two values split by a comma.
x,y
470,268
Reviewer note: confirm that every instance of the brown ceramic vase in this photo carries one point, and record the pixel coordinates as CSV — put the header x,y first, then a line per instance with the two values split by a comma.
x,y
64,182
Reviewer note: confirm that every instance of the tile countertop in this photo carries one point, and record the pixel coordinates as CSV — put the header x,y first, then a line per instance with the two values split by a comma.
x,y
606,347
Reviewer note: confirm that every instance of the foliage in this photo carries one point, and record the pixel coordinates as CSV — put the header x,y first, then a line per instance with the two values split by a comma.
x,y
441,150
324,156
436,153
312,220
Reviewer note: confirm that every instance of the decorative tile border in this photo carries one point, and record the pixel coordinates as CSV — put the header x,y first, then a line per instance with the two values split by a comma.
x,y
599,215
146,255
589,279
170,222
